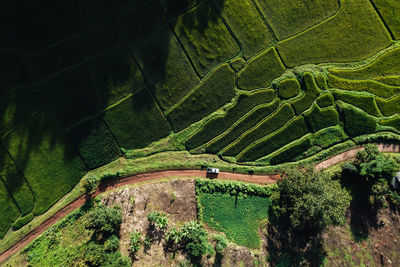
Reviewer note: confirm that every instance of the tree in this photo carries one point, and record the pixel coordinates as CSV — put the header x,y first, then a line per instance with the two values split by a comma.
x,y
310,200
104,220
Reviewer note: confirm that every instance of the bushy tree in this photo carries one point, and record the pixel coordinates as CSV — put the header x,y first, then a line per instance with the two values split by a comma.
x,y
221,243
104,220
311,200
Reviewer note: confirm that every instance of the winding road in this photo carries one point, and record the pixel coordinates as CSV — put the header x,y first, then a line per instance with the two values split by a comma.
x,y
111,184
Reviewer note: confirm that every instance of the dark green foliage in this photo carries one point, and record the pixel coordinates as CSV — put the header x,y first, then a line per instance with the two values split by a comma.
x,y
245,22
215,91
356,121
339,39
238,63
220,244
103,220
45,158
325,100
289,17
310,201
389,9
205,38
292,151
369,86
364,102
218,125
95,143
329,136
288,88
261,70
22,221
137,121
247,122
393,80
389,107
312,92
89,184
265,127
195,239
318,118
392,122
8,210
289,133
321,81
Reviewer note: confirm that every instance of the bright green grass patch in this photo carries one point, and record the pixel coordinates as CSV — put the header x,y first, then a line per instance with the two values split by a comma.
x,y
95,143
318,118
389,80
341,38
389,107
356,121
289,17
219,124
263,128
369,86
248,121
261,70
392,122
159,54
288,88
245,22
390,10
205,38
238,217
325,100
15,182
51,167
312,91
8,210
116,76
22,221
384,65
215,91
137,121
364,102
292,131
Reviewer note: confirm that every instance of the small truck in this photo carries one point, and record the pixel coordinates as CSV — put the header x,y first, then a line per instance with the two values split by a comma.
x,y
212,170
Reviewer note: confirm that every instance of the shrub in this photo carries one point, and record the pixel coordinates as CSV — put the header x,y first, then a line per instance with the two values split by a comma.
x,y
135,241
312,92
215,91
261,70
263,128
389,107
321,118
89,184
159,219
364,102
103,220
195,239
288,88
325,100
111,244
220,244
22,221
217,125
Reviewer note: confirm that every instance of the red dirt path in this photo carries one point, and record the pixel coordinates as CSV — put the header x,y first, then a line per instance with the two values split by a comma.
x,y
108,185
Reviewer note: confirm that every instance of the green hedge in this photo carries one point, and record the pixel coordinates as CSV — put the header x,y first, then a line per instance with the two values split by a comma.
x,y
22,221
392,122
245,22
218,125
318,118
389,107
364,102
8,210
288,88
137,121
385,65
325,100
49,163
369,86
213,93
265,127
261,70
95,143
16,182
389,9
209,43
247,122
233,188
289,17
292,131
339,39
356,121
329,136
312,92
291,151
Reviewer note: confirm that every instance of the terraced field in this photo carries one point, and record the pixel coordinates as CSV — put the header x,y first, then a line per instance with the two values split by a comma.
x,y
258,82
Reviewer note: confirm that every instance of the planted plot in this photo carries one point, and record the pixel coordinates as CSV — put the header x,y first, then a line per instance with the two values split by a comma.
x,y
51,167
245,22
390,106
219,124
364,102
263,128
289,17
137,121
325,100
261,70
329,136
236,130
341,38
390,10
205,38
312,92
392,122
215,91
291,151
288,88
318,118
8,210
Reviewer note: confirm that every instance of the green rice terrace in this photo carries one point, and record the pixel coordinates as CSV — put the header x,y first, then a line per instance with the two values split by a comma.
x,y
111,88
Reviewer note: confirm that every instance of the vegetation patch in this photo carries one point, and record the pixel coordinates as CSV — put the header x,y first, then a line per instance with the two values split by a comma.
x,y
318,118
390,106
389,10
329,136
364,102
9,211
312,92
392,122
288,88
291,151
325,100
22,221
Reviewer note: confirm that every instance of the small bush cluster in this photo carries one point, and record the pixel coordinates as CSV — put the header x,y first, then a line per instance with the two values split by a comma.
x,y
104,221
158,219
